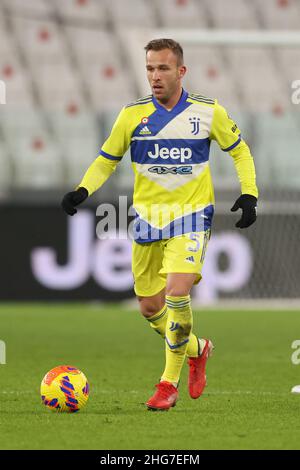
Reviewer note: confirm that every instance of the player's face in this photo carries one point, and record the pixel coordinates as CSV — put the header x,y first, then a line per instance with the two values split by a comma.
x,y
164,74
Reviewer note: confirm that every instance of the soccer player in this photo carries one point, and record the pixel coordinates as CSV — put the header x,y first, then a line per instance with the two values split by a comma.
x,y
169,133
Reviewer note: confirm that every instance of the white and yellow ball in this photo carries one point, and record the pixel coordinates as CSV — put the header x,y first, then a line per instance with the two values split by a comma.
x,y
65,388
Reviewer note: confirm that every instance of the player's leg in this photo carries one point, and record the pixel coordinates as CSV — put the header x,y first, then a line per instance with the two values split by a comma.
x,y
176,284
179,323
150,305
183,262
149,284
150,281
154,309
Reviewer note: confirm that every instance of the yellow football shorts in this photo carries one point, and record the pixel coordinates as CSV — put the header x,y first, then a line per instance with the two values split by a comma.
x,y
151,262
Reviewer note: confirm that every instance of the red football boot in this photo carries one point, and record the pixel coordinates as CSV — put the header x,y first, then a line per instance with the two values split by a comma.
x,y
197,375
164,398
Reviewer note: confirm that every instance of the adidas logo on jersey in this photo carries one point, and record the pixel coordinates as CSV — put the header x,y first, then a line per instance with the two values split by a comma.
x,y
145,131
190,259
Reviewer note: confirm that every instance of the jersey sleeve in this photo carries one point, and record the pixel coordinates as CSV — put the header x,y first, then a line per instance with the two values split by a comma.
x,y
224,130
245,168
110,155
119,139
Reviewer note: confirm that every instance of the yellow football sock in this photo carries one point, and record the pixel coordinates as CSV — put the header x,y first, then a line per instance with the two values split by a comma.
x,y
193,348
158,322
179,326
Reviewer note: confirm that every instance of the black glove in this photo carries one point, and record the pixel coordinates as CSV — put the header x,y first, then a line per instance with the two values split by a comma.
x,y
248,204
72,199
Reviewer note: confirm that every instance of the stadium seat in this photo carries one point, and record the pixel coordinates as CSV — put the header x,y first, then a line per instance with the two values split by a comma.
x,y
37,161
47,56
78,153
106,81
17,82
38,164
83,12
58,86
7,48
79,138
42,8
279,14
79,126
235,14
74,121
35,155
202,56
109,87
208,76
276,146
40,41
213,83
21,122
12,73
181,13
83,41
138,12
252,67
289,60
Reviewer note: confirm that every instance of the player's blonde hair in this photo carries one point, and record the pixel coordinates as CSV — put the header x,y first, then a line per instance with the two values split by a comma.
x,y
160,44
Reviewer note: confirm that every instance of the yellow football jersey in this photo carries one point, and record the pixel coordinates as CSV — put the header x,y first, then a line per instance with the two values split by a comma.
x,y
173,190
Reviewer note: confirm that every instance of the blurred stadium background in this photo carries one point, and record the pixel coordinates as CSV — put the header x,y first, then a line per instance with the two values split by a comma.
x,y
70,65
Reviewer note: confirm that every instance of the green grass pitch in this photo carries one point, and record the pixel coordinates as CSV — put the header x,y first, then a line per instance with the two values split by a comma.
x,y
246,405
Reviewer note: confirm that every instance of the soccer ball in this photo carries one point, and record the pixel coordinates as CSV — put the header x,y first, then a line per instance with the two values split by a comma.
x,y
65,388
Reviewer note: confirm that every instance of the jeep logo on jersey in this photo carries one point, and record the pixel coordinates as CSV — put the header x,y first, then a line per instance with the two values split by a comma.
x,y
174,153
174,170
